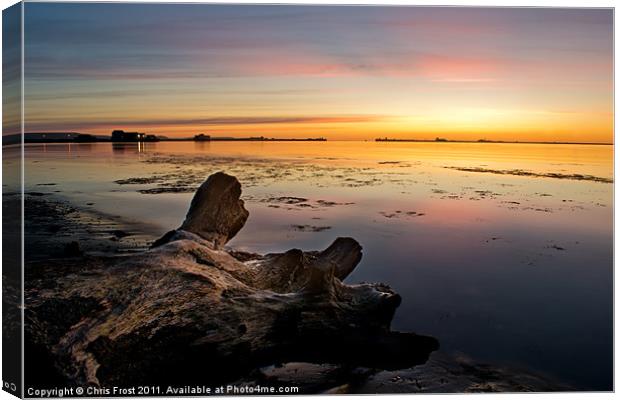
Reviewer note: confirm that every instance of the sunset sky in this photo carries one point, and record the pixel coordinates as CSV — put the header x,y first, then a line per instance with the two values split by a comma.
x,y
304,71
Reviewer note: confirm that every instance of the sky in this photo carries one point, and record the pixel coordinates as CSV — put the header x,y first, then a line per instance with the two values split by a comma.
x,y
340,72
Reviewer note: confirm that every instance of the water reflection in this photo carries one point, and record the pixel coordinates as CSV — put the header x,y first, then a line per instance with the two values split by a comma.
x,y
509,269
132,147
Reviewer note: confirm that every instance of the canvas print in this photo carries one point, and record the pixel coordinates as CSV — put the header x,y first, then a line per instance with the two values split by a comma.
x,y
220,199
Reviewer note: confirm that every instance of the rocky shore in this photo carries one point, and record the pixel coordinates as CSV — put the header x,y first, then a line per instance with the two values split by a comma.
x,y
104,309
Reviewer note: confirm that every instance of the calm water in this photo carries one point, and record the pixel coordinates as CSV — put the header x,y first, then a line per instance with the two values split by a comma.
x,y
505,268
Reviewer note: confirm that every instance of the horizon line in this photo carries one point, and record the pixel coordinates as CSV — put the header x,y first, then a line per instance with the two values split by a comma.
x,y
376,139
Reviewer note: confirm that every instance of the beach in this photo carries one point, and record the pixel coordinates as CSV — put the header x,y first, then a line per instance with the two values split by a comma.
x,y
503,252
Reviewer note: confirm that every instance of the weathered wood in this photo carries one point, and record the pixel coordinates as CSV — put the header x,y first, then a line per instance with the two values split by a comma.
x,y
188,311
216,212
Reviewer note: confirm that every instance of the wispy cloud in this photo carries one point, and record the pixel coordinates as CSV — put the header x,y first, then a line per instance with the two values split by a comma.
x,y
44,125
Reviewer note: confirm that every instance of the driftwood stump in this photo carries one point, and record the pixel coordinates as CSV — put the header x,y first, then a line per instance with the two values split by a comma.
x,y
189,311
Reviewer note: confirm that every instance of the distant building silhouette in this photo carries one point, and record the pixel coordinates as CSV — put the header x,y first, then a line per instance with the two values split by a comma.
x,y
122,136
202,138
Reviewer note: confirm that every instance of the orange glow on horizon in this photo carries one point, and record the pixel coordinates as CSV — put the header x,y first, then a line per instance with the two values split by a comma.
x,y
465,124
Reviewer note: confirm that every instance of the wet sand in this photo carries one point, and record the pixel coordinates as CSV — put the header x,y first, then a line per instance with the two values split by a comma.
x,y
500,255
58,229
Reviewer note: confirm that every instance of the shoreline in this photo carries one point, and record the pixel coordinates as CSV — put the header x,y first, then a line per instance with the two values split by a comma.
x,y
378,140
443,373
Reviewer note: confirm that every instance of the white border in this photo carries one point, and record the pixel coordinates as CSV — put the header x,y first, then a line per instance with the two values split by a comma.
x,y
476,3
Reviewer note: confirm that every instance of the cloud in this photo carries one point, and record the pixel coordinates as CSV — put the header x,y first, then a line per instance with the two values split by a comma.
x,y
194,122
439,67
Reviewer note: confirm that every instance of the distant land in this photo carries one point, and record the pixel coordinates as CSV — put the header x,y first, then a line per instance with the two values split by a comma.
x,y
120,136
129,137
443,140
